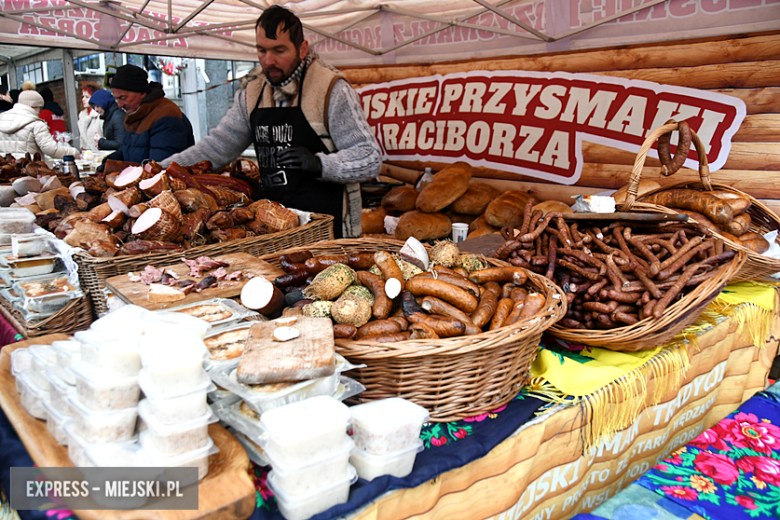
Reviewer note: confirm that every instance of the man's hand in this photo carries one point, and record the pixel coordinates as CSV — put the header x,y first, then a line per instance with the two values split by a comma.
x,y
97,140
299,158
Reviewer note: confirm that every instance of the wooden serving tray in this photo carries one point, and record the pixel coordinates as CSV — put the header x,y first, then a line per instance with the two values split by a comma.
x,y
135,292
226,493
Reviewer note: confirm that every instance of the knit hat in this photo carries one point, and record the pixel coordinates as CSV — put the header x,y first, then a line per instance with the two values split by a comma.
x,y
31,98
101,98
131,78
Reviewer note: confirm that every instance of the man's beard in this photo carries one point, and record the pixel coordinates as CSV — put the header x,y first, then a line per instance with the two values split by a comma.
x,y
283,77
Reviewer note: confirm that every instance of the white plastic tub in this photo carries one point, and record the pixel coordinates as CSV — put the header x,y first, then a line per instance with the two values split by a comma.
x,y
101,391
303,506
172,360
179,407
175,439
15,220
32,395
314,474
58,393
110,351
398,464
305,430
198,458
43,358
21,360
77,446
55,423
110,426
387,426
66,374
67,352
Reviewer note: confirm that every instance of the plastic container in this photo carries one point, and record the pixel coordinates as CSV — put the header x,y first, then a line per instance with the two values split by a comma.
x,y
398,464
217,311
43,358
66,374
58,393
100,391
125,321
55,423
388,425
67,352
172,360
77,446
166,319
15,220
111,351
253,450
29,244
10,279
303,506
111,426
198,458
32,396
226,344
21,359
179,407
313,474
303,431
175,439
48,295
31,266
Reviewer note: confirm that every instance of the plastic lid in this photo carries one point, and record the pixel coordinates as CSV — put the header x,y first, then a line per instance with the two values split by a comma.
x,y
68,158
21,360
95,376
107,339
68,427
171,429
129,317
43,354
115,455
57,382
151,392
31,384
83,410
284,469
158,459
377,460
303,498
171,346
299,421
178,319
387,414
51,412
69,345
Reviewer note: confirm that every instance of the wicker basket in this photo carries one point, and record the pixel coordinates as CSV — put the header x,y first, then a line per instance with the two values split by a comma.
x,y
763,219
75,316
93,272
454,377
650,332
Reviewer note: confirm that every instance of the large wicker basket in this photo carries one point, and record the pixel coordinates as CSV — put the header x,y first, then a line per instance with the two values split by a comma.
x,y
650,332
454,377
763,219
75,316
93,272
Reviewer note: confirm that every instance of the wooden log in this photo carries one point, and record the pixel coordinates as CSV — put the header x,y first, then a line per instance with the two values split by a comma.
x,y
761,128
772,204
753,74
678,54
757,100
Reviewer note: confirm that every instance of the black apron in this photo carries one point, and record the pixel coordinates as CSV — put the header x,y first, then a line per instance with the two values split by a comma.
x,y
277,128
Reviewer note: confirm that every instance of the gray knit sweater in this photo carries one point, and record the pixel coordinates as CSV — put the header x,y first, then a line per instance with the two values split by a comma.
x,y
358,157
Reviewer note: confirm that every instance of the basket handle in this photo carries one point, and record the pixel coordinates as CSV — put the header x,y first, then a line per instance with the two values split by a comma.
x,y
636,173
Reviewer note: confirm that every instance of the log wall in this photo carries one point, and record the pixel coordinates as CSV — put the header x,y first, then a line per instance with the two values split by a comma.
x,y
747,67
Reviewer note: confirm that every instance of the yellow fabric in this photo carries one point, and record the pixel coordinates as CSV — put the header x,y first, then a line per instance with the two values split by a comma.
x,y
757,293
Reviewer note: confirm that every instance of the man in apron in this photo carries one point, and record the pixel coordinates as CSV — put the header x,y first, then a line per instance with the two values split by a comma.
x,y
308,129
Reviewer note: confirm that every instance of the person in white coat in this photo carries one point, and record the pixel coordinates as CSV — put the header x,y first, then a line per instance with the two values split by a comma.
x,y
22,131
90,124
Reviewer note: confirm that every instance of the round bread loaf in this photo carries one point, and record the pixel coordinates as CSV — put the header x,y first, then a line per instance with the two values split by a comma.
x,y
507,209
476,199
423,226
400,199
372,220
446,187
553,205
481,223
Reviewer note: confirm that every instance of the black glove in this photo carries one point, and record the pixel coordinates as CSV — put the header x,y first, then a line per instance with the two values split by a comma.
x,y
257,188
299,158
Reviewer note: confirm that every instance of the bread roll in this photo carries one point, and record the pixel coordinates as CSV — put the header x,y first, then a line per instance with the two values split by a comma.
x,y
476,199
481,223
423,226
507,209
400,199
447,186
372,221
645,186
552,205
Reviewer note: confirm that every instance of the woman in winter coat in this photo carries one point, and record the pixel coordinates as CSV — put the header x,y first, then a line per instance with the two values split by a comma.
x,y
113,120
52,113
22,131
90,124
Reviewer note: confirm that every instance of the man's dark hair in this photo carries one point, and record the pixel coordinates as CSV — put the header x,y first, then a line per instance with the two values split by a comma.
x,y
14,93
47,95
3,90
278,17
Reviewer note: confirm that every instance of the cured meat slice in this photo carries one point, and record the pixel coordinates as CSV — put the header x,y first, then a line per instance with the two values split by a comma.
x,y
167,202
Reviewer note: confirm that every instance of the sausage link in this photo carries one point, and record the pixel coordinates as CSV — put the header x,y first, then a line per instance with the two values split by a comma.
x,y
378,328
439,307
503,309
344,331
486,308
445,327
382,304
446,291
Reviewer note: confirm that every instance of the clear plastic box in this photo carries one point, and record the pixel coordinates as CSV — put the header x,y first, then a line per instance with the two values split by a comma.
x,y
175,439
58,393
55,423
15,220
43,358
313,474
32,396
198,458
21,360
227,311
29,244
123,322
100,391
167,319
237,334
305,430
50,302
172,360
253,450
398,464
179,407
388,425
10,279
66,374
31,266
111,351
67,351
77,446
111,426
301,507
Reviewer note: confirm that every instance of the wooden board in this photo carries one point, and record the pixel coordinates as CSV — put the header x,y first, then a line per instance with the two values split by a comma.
x,y
226,493
135,292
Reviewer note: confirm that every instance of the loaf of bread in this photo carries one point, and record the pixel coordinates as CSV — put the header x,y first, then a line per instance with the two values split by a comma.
x,y
372,221
478,233
476,199
446,187
400,199
423,226
275,216
645,187
553,205
459,217
481,223
507,209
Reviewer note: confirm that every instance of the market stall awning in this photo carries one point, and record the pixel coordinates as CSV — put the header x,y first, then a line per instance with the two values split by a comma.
x,y
359,32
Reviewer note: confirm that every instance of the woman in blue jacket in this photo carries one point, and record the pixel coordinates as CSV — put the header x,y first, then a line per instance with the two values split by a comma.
x,y
113,120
